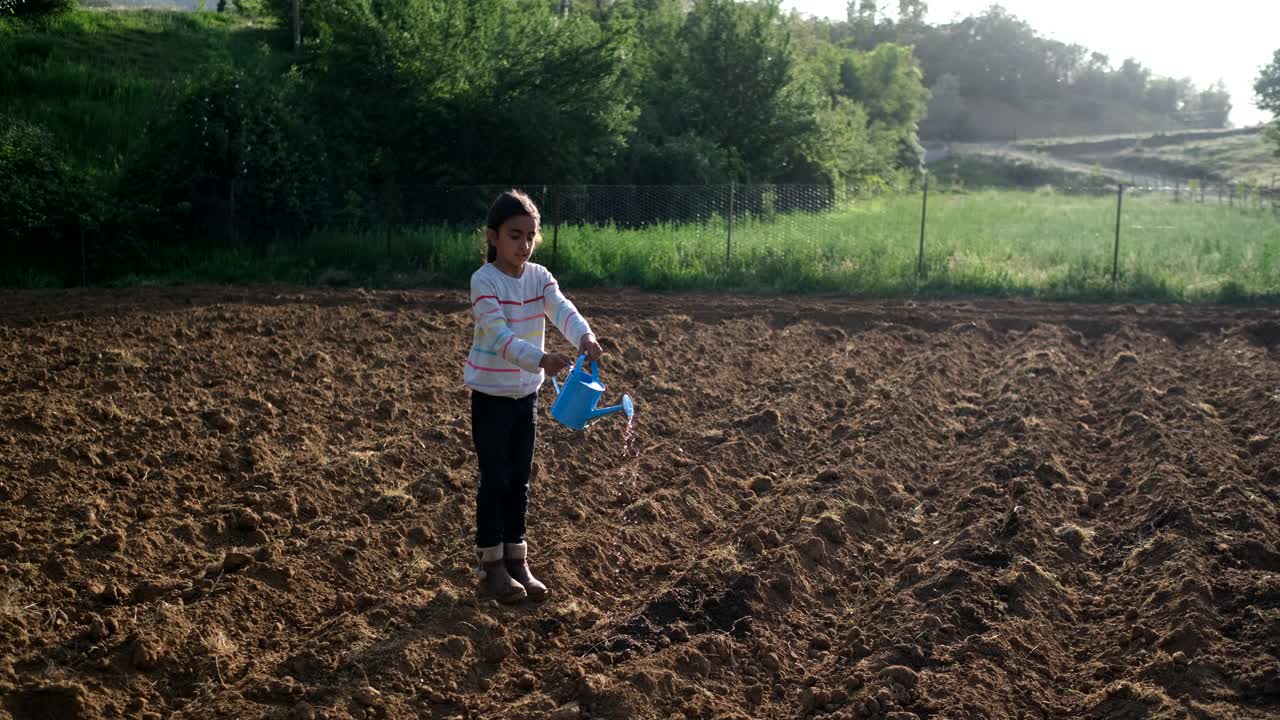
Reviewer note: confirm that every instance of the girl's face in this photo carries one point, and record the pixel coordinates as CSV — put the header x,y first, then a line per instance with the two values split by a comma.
x,y
514,241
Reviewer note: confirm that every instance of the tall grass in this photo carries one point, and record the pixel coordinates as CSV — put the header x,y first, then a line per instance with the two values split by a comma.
x,y
991,243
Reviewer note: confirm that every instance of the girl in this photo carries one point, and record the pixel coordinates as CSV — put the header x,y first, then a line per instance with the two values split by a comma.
x,y
511,298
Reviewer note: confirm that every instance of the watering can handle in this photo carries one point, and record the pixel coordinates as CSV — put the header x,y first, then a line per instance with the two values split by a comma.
x,y
595,367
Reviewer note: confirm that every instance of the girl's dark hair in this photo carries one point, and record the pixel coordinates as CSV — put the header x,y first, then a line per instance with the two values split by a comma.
x,y
509,204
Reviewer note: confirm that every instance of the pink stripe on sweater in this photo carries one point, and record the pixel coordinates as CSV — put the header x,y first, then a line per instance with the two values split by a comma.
x,y
495,370
566,322
508,302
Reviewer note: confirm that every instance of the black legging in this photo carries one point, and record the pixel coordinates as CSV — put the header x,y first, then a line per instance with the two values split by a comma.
x,y
503,431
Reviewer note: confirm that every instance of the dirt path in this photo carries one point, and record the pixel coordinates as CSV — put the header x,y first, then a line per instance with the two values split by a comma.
x,y
257,503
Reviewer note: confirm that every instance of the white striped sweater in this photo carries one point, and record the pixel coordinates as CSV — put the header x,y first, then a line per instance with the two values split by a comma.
x,y
510,328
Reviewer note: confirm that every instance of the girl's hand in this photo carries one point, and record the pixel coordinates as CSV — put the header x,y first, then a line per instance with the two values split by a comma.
x,y
554,363
590,348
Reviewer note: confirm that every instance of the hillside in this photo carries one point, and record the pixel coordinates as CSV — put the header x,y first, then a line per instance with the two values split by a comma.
x,y
94,79
1241,156
1236,156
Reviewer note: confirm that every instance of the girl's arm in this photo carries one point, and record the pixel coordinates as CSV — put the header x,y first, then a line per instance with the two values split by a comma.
x,y
495,334
563,314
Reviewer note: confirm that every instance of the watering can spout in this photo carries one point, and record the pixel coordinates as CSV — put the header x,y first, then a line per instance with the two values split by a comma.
x,y
626,407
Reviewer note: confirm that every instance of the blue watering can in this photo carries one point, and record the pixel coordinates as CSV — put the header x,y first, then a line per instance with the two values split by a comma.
x,y
575,404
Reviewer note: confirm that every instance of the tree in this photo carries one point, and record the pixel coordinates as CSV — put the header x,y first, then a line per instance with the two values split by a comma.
x,y
1130,82
1165,95
994,55
738,62
1065,61
868,24
1267,86
869,104
912,11
470,91
1092,78
1213,106
911,25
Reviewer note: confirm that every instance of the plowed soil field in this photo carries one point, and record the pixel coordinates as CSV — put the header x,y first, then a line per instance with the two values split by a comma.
x,y
220,503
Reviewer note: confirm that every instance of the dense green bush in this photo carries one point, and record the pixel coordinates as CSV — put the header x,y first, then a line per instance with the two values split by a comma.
x,y
43,204
320,18
36,8
233,159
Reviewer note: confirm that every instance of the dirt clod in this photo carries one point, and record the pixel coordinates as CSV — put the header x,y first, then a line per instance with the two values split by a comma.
x,y
247,520
815,549
829,475
830,528
144,654
367,696
112,541
234,561
899,674
496,649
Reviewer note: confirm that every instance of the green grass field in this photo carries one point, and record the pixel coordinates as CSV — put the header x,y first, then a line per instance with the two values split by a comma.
x,y
999,243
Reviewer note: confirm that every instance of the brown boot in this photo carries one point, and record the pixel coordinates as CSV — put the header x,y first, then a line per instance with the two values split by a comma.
x,y
494,578
518,567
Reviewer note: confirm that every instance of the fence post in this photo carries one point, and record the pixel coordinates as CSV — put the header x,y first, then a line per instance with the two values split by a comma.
x,y
555,232
728,240
924,212
1115,255
84,264
386,215
233,230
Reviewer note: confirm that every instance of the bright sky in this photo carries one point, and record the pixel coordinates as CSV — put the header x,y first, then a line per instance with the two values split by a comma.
x,y
1228,40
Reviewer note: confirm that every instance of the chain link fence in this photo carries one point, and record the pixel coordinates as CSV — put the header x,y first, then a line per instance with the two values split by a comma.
x,y
779,235
1165,239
